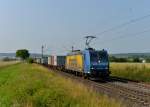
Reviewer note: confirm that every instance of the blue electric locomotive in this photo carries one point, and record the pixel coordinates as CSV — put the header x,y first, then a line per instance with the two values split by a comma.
x,y
89,63
96,63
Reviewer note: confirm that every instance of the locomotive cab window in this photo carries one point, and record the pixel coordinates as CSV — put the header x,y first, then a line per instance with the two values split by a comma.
x,y
98,57
103,56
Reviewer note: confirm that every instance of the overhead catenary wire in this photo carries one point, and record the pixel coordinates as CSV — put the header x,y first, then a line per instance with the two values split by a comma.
x,y
128,35
124,24
118,27
61,51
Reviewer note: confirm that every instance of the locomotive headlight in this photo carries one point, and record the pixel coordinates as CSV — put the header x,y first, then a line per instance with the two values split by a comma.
x,y
92,68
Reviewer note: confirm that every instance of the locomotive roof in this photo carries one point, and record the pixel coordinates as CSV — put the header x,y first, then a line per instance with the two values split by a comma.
x,y
75,52
80,52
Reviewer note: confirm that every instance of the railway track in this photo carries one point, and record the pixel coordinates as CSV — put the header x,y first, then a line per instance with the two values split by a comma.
x,y
128,93
137,83
137,98
132,93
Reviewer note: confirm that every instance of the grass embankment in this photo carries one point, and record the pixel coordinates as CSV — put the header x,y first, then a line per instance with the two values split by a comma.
x,y
31,85
133,71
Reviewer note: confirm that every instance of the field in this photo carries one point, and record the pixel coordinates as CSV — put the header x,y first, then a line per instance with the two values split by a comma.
x,y
133,71
31,85
7,63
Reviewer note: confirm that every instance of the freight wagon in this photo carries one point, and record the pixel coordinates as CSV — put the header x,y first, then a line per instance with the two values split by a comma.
x,y
57,62
38,60
44,60
89,63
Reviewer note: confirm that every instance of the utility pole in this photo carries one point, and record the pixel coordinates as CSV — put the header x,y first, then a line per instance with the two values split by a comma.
x,y
42,50
72,48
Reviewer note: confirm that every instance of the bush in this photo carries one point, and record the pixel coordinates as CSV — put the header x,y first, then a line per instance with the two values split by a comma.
x,y
7,59
115,59
136,60
30,60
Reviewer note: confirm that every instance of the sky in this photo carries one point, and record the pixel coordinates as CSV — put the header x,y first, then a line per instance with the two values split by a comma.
x,y
61,24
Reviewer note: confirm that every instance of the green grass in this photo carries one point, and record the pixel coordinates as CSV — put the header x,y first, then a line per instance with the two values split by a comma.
x,y
30,85
133,71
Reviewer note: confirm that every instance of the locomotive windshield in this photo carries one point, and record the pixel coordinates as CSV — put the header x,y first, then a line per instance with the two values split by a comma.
x,y
99,56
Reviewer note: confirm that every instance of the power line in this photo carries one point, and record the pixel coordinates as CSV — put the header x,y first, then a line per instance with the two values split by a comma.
x,y
61,50
124,24
130,35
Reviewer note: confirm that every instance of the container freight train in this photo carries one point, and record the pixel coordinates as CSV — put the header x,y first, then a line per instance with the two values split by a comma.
x,y
87,63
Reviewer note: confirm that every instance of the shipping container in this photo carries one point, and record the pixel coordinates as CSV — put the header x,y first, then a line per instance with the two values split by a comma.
x,y
51,60
56,60
44,60
61,60
38,60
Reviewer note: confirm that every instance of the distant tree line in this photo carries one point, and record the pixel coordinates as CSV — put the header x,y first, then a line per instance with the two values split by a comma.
x,y
131,59
8,59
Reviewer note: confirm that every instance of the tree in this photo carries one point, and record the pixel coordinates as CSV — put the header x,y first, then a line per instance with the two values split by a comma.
x,y
30,60
115,59
22,53
136,59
